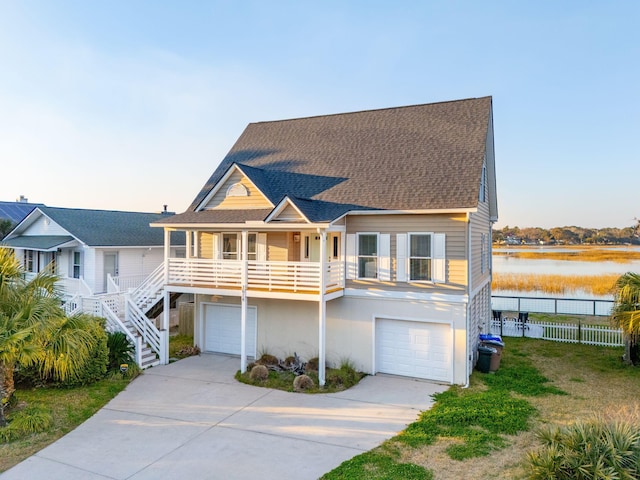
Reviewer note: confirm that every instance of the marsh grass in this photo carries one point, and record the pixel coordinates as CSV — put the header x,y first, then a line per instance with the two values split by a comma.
x,y
577,253
555,284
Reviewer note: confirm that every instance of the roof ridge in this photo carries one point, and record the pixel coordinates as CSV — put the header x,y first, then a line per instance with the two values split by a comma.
x,y
370,110
95,210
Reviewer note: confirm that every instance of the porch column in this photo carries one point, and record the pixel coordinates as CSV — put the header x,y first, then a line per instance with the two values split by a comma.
x,y
167,254
322,309
243,315
188,245
164,331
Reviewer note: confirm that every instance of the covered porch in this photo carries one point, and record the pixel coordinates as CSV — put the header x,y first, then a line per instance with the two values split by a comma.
x,y
277,262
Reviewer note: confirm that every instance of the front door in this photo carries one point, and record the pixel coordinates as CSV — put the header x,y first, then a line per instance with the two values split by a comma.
x,y
311,248
110,267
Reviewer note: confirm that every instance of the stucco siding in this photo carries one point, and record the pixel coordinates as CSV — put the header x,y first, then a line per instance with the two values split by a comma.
x,y
285,327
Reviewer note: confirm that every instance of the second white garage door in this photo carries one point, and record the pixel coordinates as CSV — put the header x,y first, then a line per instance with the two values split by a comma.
x,y
414,349
222,329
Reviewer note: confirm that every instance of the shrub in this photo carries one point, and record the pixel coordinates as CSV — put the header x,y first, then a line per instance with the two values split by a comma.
x,y
96,368
259,373
585,450
33,419
267,359
312,364
92,370
188,351
120,350
302,383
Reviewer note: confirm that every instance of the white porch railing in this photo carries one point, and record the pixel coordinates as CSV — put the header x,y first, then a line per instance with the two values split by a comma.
x,y
72,305
74,286
126,283
287,276
204,271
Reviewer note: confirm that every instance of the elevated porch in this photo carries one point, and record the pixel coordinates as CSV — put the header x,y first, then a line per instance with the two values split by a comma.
x,y
302,280
268,263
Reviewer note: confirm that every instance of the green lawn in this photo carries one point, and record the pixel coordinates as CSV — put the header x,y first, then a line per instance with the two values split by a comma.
x,y
485,431
68,408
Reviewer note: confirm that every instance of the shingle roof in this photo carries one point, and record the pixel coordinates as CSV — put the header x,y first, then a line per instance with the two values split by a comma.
x,y
16,211
38,242
108,227
216,216
405,158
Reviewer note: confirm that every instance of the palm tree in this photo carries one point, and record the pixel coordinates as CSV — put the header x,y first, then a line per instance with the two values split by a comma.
x,y
626,313
34,329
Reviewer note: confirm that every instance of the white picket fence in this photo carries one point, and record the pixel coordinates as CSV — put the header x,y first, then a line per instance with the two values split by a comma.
x,y
559,332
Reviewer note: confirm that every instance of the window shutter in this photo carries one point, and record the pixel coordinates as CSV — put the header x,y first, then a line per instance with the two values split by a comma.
x,y
215,246
261,247
439,260
351,256
401,257
384,254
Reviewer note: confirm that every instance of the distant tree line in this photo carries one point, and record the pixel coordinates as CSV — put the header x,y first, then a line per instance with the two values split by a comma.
x,y
567,236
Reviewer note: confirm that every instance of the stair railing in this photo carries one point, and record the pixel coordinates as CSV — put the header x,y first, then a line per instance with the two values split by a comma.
x,y
115,324
145,327
149,291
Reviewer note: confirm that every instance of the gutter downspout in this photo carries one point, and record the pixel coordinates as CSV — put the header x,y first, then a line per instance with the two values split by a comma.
x,y
469,289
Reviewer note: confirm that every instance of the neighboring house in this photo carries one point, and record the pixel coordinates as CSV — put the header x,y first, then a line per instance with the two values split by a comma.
x,y
87,247
12,213
361,236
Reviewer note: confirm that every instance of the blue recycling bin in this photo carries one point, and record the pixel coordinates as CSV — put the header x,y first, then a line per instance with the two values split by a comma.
x,y
494,342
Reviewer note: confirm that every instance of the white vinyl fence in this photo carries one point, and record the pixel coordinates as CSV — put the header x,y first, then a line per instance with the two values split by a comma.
x,y
558,306
559,332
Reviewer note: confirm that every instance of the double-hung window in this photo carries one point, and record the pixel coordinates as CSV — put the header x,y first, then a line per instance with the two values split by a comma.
x,y
420,257
28,261
230,246
77,265
252,246
367,255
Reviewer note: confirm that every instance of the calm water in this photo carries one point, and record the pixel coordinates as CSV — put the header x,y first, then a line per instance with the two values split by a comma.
x,y
510,264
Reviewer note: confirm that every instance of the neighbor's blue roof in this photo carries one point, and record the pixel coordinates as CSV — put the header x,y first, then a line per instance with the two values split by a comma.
x,y
16,211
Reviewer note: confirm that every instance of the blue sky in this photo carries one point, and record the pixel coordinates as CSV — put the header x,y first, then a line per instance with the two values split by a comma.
x,y
132,104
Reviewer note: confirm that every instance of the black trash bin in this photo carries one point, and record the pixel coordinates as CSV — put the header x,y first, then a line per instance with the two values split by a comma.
x,y
484,358
495,342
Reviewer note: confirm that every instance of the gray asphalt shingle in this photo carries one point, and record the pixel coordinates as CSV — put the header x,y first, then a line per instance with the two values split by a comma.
x,y
406,158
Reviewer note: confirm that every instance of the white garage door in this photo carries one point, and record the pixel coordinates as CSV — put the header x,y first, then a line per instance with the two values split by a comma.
x,y
222,329
414,349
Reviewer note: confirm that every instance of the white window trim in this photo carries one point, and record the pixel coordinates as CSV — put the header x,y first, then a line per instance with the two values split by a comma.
x,y
408,259
483,184
483,253
80,263
238,235
238,246
357,256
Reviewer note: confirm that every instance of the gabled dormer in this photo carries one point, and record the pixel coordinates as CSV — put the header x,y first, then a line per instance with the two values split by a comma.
x,y
235,191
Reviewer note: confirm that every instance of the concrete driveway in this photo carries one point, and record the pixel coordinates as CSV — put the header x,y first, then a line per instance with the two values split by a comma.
x,y
191,419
